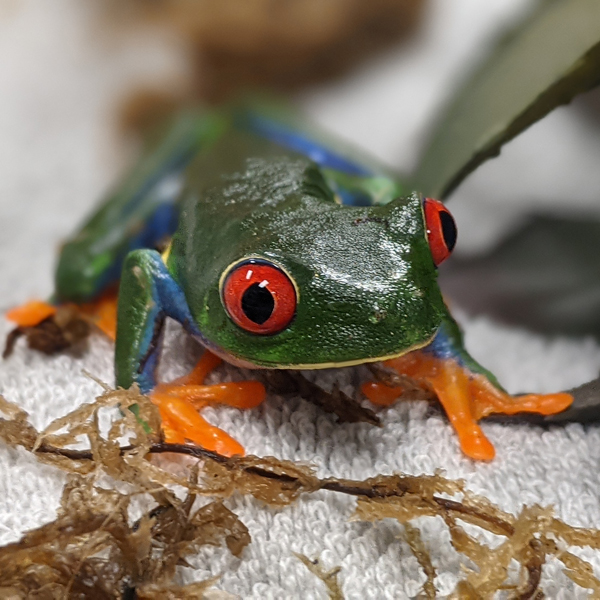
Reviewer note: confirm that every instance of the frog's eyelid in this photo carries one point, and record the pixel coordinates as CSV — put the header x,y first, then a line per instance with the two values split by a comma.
x,y
253,259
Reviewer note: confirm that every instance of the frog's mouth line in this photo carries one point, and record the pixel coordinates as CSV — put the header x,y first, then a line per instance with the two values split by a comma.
x,y
245,364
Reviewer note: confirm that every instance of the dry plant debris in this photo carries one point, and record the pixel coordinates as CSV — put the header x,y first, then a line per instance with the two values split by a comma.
x,y
346,408
95,545
54,334
94,549
329,578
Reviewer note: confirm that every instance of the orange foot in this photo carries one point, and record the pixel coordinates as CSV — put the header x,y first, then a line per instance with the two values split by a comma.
x,y
180,400
101,312
466,398
31,313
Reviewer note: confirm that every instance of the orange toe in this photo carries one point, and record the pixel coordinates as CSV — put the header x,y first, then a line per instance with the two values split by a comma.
x,y
475,444
488,399
31,313
242,394
184,422
545,404
381,394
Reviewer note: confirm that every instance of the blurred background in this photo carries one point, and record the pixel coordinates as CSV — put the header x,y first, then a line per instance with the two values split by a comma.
x,y
80,81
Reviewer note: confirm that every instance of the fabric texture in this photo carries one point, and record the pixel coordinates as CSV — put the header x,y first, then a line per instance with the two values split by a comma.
x,y
59,85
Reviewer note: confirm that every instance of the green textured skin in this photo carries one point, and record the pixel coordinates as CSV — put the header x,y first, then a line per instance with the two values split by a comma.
x,y
366,278
136,311
104,238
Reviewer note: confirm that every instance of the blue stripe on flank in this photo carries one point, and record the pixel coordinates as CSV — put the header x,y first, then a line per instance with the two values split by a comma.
x,y
356,198
161,224
442,347
293,140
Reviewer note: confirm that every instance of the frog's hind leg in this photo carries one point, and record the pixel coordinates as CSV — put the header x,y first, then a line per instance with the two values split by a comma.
x,y
467,391
142,212
147,295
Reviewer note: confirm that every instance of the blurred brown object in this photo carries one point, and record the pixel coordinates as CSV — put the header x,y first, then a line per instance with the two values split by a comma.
x,y
279,45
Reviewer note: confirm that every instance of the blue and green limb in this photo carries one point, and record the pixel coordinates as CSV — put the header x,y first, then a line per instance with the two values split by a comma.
x,y
141,212
467,391
148,294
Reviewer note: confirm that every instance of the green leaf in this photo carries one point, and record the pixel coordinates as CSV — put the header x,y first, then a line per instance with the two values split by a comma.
x,y
546,61
545,276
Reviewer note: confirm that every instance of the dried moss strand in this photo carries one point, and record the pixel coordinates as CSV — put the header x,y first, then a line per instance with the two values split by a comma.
x,y
533,568
347,487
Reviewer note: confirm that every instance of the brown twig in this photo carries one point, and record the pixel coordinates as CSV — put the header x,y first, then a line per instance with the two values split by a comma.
x,y
356,488
533,567
11,340
346,408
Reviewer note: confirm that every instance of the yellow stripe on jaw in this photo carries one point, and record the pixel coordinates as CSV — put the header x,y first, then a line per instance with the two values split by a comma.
x,y
360,361
240,362
166,253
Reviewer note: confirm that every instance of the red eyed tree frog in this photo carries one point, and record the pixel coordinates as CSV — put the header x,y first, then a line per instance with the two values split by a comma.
x,y
285,252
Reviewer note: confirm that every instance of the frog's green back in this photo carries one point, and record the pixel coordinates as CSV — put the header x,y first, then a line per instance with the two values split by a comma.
x,y
142,211
365,277
250,183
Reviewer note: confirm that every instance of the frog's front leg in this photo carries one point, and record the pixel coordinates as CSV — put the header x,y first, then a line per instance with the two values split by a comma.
x,y
466,390
147,295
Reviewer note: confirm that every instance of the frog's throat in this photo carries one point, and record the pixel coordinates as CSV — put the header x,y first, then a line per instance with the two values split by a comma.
x,y
245,364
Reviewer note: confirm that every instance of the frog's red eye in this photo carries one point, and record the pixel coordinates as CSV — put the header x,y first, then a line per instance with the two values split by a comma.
x,y
259,297
441,230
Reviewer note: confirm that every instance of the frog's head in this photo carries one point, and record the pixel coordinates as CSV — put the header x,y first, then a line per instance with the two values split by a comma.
x,y
311,284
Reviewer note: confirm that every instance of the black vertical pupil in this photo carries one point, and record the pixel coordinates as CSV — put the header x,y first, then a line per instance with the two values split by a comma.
x,y
258,303
448,230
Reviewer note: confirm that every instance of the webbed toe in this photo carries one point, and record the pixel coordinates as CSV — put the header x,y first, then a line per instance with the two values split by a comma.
x,y
180,400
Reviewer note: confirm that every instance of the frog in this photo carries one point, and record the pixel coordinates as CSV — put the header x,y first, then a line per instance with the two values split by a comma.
x,y
276,247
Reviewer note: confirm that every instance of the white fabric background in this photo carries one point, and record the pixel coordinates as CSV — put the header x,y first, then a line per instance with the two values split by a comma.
x,y
60,81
